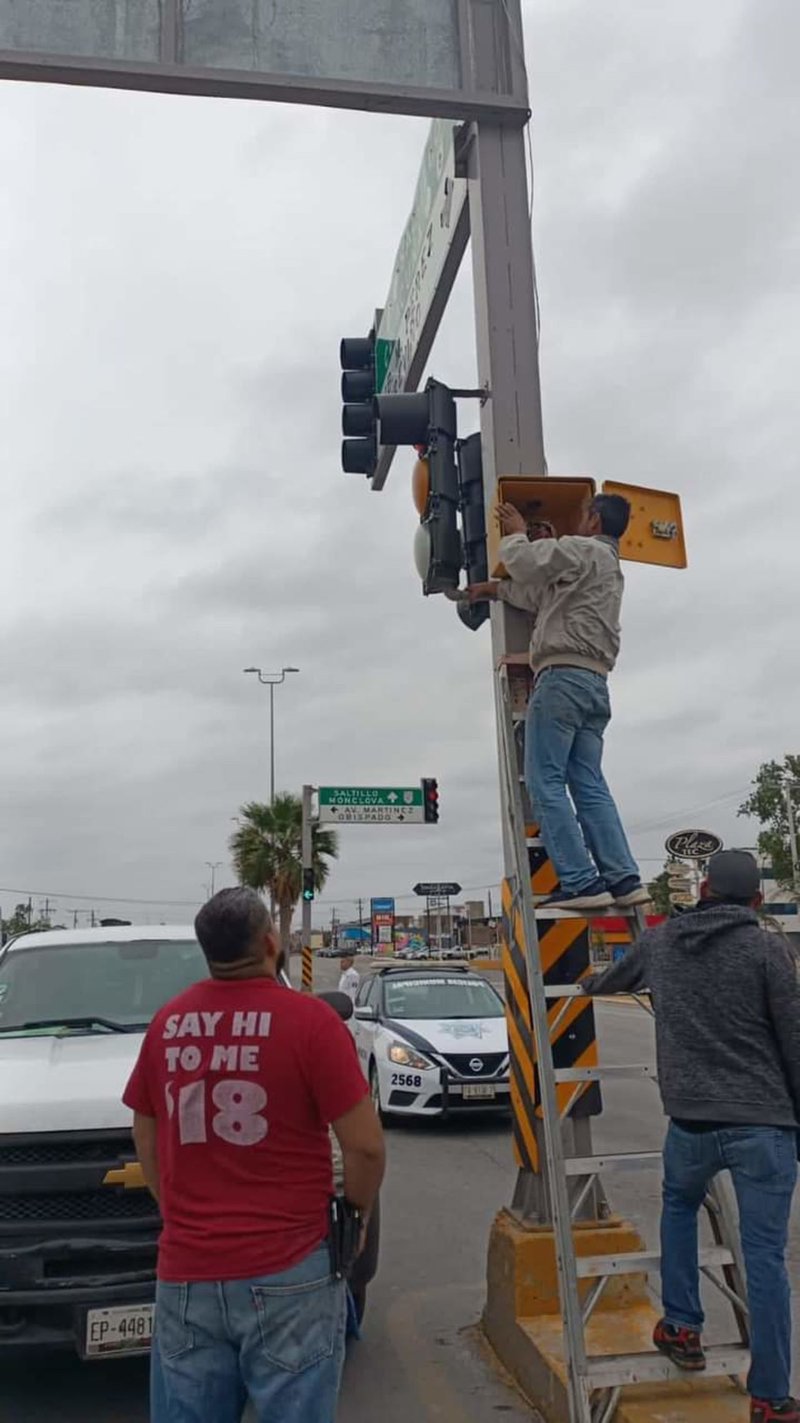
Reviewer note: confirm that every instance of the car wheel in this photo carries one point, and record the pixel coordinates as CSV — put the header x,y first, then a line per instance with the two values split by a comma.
x,y
375,1092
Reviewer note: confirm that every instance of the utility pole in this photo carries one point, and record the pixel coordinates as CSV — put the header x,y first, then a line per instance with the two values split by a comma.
x,y
789,787
213,866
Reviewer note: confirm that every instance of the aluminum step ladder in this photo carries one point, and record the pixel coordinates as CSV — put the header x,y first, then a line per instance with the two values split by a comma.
x,y
595,1382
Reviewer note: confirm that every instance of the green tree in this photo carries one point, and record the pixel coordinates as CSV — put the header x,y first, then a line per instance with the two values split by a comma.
x,y
659,889
767,804
267,854
22,921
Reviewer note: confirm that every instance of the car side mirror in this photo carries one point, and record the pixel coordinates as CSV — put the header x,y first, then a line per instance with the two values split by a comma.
x,y
341,1003
366,1013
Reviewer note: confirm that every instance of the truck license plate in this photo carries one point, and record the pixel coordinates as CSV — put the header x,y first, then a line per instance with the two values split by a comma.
x,y
483,1090
122,1329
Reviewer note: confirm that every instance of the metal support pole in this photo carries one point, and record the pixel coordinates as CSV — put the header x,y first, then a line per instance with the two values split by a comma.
x,y
308,861
788,788
272,743
508,367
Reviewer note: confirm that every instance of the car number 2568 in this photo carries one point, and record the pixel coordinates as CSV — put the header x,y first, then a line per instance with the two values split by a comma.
x,y
406,1079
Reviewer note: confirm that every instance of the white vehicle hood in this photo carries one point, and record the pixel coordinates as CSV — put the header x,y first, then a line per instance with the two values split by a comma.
x,y
72,1083
455,1035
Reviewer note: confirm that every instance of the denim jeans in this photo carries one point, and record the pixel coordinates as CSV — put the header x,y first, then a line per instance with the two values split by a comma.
x,y
763,1164
277,1340
567,715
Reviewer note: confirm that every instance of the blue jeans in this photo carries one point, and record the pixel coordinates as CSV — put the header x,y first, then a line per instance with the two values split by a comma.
x,y
567,716
278,1340
763,1164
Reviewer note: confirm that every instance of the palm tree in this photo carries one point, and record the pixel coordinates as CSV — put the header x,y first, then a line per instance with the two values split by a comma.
x,y
267,853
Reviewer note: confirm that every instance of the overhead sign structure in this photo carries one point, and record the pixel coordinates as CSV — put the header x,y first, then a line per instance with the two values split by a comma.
x,y
431,248
417,57
692,844
440,891
371,805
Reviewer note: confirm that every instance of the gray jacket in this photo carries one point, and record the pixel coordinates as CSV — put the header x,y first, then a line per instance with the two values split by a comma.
x,y
574,588
726,996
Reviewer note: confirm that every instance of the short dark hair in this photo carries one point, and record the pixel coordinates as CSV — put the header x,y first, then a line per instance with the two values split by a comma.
x,y
615,513
227,926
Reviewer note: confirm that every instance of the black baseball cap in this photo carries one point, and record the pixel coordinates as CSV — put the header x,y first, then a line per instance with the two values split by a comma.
x,y
733,874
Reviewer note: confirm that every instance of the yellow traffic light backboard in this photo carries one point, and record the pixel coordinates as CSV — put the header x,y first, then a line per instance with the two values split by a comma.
x,y
655,534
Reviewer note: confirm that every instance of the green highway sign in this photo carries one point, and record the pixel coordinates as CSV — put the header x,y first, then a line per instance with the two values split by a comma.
x,y
438,202
371,805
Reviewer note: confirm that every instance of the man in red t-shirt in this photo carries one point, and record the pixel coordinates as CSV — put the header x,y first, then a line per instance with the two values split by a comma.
x,y
237,1082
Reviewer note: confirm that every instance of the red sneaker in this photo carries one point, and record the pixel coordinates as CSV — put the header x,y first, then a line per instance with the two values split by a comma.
x,y
683,1346
761,1411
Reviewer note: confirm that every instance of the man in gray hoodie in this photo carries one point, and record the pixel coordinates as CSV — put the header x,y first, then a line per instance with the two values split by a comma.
x,y
726,995
573,586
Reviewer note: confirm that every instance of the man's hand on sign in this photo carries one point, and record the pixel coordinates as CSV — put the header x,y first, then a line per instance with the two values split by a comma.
x,y
480,592
510,520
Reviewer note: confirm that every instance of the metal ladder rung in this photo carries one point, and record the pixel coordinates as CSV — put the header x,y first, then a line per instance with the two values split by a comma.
x,y
722,1359
642,1262
596,1074
575,990
593,1165
609,912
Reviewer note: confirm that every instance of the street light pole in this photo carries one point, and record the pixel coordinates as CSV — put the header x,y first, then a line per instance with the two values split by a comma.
x,y
213,866
271,680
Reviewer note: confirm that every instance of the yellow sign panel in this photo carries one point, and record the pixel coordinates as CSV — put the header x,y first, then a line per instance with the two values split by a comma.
x,y
655,533
557,501
130,1176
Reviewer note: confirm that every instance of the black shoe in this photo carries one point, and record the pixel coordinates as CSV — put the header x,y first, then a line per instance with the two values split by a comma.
x,y
595,896
630,893
683,1346
761,1411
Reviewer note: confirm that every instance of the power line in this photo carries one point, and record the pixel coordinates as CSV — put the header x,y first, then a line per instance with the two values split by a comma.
x,y
98,898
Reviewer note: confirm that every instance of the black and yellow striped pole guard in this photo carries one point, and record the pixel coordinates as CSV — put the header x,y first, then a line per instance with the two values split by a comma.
x,y
564,955
308,969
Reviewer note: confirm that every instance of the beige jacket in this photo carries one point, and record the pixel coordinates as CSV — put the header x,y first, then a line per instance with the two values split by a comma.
x,y
573,587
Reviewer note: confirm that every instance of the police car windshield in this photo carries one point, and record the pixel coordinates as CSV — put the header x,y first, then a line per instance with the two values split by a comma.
x,y
74,985
434,997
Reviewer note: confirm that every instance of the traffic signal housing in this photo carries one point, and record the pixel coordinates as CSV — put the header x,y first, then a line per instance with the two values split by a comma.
x,y
430,799
308,885
473,527
427,421
359,419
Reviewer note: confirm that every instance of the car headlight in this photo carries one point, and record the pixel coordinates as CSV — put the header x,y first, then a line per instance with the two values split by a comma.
x,y
406,1057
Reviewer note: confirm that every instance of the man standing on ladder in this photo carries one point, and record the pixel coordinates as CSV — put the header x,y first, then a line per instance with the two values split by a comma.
x,y
574,587
726,996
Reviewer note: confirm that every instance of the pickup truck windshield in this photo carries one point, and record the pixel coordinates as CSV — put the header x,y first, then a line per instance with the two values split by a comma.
x,y
76,985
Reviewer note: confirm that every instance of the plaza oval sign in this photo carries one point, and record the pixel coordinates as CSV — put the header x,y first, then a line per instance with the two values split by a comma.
x,y
692,844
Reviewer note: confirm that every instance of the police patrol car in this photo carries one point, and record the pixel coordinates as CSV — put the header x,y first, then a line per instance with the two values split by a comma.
x,y
432,1041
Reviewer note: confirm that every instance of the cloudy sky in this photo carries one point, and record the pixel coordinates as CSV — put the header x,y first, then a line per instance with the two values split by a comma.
x,y
175,275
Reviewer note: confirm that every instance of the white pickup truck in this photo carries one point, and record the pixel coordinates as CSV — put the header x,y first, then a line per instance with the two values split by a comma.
x,y
78,1228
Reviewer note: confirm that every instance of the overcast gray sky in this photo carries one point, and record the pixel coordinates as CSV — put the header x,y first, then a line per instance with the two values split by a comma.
x,y
175,275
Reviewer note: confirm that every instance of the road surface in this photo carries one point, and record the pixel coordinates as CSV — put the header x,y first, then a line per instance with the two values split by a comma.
x,y
419,1357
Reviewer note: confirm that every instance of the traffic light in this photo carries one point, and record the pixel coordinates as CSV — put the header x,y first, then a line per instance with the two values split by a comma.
x,y
427,420
473,526
308,884
359,421
430,798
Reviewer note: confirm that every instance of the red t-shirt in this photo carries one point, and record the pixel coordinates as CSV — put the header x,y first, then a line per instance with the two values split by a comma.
x,y
243,1078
